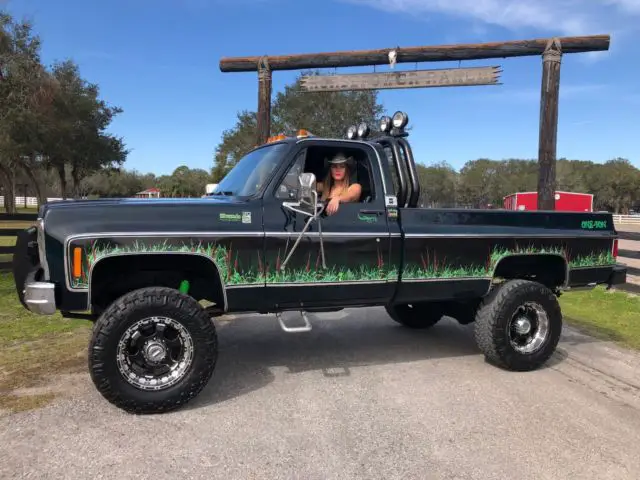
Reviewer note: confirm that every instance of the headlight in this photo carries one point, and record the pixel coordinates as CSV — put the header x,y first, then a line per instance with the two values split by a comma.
x,y
400,120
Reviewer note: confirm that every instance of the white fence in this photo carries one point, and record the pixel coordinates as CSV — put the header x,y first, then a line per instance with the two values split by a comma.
x,y
626,219
31,201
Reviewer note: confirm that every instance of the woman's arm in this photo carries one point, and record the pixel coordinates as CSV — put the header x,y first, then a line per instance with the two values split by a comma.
x,y
352,194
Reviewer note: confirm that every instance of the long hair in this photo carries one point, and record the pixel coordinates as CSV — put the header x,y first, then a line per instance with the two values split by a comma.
x,y
328,182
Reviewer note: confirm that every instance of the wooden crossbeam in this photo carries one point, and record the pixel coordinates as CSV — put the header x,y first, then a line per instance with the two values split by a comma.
x,y
436,53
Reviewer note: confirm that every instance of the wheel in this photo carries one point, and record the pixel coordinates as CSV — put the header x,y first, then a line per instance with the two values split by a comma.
x,y
417,316
518,325
152,350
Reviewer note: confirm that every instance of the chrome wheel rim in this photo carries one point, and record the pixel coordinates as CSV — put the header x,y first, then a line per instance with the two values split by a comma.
x,y
155,353
528,328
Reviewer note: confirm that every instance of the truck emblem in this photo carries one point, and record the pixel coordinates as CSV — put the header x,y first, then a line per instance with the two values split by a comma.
x,y
246,217
593,224
230,217
367,218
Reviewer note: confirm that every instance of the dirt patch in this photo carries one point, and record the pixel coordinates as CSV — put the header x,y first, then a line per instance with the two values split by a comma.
x,y
33,373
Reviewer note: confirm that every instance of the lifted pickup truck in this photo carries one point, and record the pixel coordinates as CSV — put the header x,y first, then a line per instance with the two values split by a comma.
x,y
151,274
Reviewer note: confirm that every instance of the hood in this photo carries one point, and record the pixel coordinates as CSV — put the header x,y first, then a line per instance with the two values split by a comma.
x,y
103,202
126,215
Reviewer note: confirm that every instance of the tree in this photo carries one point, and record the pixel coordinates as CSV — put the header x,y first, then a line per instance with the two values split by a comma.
x,y
438,185
75,131
326,114
184,182
235,143
25,92
49,119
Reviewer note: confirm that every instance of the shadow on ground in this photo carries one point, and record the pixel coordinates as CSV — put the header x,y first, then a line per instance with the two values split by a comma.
x,y
251,345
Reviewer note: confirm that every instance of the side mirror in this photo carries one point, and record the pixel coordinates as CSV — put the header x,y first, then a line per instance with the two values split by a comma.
x,y
307,193
306,197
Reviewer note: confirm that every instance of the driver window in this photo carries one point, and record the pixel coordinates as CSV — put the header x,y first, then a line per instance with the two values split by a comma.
x,y
289,187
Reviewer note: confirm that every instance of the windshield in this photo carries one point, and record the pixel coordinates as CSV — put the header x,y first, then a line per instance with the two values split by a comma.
x,y
252,171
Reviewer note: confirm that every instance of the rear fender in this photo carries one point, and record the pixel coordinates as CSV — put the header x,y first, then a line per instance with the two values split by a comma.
x,y
523,265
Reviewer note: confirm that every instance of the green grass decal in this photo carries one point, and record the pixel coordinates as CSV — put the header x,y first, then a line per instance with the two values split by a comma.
x,y
252,269
231,264
433,267
225,258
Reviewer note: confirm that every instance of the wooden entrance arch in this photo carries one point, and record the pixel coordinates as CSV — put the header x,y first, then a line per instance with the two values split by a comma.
x,y
551,50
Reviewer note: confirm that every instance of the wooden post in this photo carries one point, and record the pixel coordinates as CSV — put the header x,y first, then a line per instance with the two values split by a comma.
x,y
551,59
264,101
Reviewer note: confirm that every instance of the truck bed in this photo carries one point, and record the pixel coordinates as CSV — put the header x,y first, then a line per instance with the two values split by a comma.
x,y
456,252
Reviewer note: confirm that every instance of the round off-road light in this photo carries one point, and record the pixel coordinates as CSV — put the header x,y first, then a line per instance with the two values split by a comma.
x,y
363,130
400,120
351,132
385,124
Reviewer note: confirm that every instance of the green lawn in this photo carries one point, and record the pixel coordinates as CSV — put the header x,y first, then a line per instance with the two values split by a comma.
x,y
7,242
33,347
610,315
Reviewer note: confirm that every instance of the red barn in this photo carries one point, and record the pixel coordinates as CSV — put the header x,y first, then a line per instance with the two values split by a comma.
x,y
565,201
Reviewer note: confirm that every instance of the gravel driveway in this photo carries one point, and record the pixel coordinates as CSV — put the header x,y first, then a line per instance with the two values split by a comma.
x,y
358,397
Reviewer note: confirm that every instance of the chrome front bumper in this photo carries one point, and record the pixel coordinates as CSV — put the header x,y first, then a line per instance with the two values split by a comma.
x,y
39,298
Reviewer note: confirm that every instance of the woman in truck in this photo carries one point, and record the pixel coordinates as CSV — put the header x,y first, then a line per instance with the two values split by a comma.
x,y
337,186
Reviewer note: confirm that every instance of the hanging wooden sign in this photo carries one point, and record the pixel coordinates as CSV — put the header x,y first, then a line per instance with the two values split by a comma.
x,y
447,77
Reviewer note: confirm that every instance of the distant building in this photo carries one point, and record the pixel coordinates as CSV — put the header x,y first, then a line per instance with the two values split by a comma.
x,y
148,193
564,201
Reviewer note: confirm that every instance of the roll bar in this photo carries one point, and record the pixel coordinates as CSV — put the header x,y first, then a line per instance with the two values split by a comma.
x,y
413,172
405,168
388,141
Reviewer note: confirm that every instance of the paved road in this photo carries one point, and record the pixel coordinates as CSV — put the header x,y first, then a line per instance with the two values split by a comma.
x,y
358,397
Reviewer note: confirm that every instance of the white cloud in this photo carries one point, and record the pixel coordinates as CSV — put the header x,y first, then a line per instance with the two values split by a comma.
x,y
568,17
630,6
532,94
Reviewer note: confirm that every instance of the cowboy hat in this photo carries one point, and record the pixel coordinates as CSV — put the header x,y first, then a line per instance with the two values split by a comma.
x,y
341,158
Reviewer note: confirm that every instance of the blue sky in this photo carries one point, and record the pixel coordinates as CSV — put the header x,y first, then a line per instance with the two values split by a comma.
x,y
158,59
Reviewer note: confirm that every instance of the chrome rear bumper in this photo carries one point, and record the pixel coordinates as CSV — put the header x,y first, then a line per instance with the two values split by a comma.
x,y
39,297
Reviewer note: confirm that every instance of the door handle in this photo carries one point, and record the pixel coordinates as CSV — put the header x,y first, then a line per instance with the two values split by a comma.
x,y
372,212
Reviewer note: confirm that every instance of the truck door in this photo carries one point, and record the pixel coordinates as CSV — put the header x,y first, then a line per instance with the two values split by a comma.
x,y
341,259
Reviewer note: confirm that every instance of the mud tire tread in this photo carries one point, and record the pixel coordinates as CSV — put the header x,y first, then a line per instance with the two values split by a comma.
x,y
492,318
131,307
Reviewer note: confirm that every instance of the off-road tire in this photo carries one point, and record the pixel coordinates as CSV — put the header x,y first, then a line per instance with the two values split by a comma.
x,y
493,319
125,311
416,316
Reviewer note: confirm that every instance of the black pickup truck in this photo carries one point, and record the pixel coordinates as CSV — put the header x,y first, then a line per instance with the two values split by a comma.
x,y
151,274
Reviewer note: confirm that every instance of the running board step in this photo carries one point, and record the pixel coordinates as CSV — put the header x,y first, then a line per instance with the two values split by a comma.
x,y
305,328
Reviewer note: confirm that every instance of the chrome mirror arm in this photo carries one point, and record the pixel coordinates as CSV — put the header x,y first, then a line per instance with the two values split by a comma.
x,y
319,208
